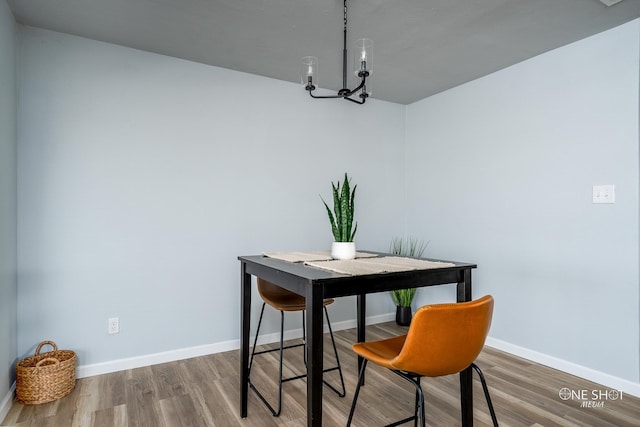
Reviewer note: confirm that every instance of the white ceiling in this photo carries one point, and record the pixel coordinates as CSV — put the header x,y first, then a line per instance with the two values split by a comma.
x,y
421,47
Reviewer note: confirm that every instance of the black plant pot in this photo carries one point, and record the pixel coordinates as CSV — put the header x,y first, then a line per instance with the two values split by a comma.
x,y
403,316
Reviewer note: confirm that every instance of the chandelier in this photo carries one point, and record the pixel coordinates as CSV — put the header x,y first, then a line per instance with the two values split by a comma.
x,y
362,64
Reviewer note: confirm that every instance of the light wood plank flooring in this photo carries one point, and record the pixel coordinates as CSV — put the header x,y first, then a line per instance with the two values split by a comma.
x,y
204,391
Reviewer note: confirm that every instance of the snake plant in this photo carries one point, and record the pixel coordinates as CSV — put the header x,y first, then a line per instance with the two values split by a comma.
x,y
341,219
412,248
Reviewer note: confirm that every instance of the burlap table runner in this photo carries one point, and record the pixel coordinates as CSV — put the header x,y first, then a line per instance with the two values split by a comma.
x,y
389,264
310,256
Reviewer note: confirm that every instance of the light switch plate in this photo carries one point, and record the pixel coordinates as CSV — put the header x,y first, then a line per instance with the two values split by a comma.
x,y
604,194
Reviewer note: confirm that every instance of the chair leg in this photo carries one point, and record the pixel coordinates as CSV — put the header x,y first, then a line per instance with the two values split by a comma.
x,y
304,339
335,352
273,411
415,414
415,381
276,412
357,392
419,410
255,341
486,394
280,368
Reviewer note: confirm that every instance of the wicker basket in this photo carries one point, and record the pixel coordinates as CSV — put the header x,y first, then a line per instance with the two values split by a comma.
x,y
45,377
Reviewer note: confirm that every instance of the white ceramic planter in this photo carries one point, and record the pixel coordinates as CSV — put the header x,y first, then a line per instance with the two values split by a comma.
x,y
343,250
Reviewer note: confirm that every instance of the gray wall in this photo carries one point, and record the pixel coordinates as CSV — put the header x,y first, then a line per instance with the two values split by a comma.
x,y
8,277
143,177
500,172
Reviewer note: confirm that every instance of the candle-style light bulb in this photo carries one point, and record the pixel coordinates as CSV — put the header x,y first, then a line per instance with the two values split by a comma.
x,y
309,70
362,60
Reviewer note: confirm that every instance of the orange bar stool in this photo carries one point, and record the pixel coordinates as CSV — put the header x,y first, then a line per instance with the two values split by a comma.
x,y
443,339
284,300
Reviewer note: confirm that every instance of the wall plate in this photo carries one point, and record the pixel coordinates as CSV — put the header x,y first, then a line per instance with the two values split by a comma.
x,y
604,194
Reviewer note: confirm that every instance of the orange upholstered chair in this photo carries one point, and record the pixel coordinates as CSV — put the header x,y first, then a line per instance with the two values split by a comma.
x,y
443,339
284,300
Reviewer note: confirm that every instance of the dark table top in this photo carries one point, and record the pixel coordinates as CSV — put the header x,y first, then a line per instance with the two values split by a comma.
x,y
298,276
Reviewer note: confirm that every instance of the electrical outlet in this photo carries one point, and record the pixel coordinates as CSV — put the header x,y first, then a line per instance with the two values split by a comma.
x,y
113,326
604,194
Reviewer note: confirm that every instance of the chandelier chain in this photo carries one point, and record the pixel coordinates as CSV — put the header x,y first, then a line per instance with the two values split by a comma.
x,y
345,15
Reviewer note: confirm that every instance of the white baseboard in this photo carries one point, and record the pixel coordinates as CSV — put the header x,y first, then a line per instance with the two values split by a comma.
x,y
6,403
203,350
626,386
154,359
610,381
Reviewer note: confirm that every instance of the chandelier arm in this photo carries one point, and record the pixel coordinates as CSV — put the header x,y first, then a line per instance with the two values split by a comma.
x,y
360,86
325,96
353,100
343,93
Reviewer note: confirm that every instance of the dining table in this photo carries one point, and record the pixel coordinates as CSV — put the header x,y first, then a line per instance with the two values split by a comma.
x,y
316,276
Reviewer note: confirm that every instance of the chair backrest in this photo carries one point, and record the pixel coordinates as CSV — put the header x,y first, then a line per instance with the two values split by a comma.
x,y
445,339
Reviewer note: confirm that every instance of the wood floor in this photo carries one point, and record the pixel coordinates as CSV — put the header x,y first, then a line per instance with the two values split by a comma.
x,y
204,391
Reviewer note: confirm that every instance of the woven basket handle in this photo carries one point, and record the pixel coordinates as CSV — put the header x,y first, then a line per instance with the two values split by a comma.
x,y
51,343
48,359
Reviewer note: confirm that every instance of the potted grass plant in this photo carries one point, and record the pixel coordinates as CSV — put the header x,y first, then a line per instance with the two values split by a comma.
x,y
404,297
341,220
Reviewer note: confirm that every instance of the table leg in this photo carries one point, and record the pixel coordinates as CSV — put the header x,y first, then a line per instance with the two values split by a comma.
x,y
464,287
466,376
245,326
314,302
361,314
466,397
